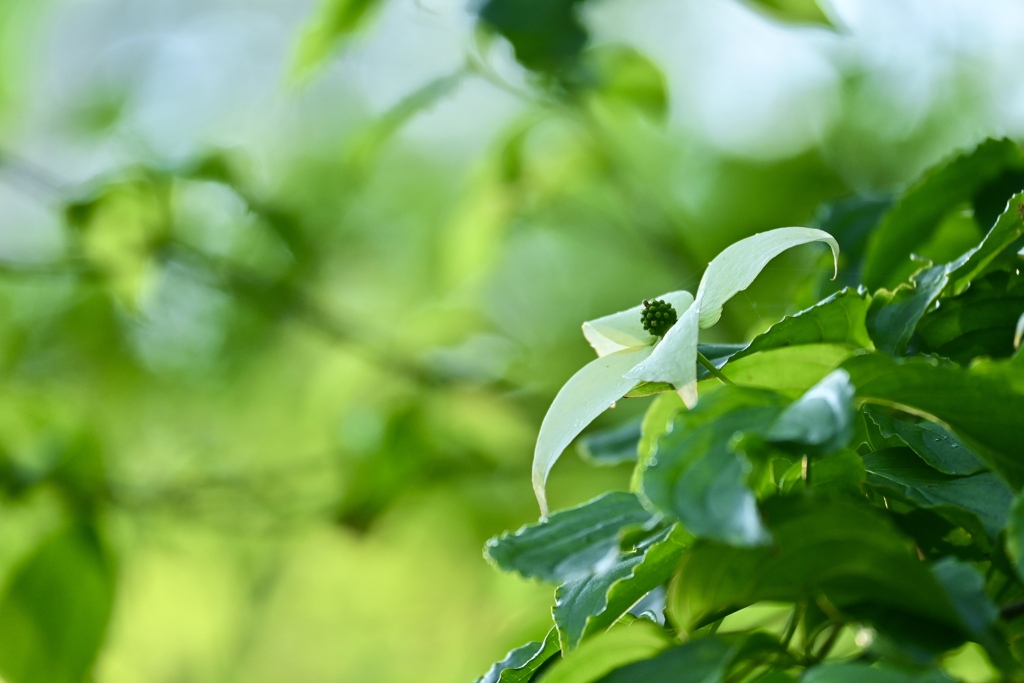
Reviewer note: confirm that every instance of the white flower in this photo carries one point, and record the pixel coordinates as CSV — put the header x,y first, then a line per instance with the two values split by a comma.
x,y
627,354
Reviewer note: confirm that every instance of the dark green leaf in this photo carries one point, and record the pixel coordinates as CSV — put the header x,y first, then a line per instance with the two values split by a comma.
x,y
965,588
839,319
847,552
547,35
982,403
54,614
1015,535
696,475
821,420
702,660
851,221
567,544
591,603
858,672
915,217
520,664
983,495
932,442
838,472
596,657
611,446
334,21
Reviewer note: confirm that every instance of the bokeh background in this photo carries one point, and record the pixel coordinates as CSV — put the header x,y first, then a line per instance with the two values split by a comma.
x,y
287,286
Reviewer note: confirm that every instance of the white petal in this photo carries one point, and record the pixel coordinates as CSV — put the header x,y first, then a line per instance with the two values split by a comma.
x,y
735,268
586,395
623,330
674,359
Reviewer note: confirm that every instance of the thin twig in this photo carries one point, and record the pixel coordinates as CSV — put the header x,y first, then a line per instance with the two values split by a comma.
x,y
715,372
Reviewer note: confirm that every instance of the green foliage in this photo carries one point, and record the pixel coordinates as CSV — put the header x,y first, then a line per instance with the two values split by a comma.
x,y
857,466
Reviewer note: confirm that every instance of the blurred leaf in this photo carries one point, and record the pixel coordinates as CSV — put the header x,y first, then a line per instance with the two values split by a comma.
x,y
982,403
839,319
965,588
983,496
847,552
334,21
625,78
914,218
851,221
547,35
612,446
932,442
838,472
801,11
697,476
1015,535
590,604
703,660
821,420
567,544
860,672
521,664
54,613
602,654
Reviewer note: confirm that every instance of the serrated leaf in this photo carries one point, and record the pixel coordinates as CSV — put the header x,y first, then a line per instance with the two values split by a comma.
x,y
821,420
54,613
602,654
592,603
847,552
932,442
839,319
697,476
569,543
914,218
983,496
522,663
982,403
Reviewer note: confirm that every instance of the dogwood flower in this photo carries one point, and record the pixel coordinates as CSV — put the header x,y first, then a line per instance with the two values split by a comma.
x,y
628,354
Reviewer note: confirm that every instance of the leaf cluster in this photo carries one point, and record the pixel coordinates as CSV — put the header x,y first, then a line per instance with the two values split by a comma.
x,y
848,506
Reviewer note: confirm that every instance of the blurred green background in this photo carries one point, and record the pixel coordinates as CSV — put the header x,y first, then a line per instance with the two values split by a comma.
x,y
286,288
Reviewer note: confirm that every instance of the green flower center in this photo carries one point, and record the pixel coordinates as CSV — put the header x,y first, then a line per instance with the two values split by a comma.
x,y
658,316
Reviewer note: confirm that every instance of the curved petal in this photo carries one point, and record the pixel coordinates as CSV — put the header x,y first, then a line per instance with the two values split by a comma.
x,y
735,268
623,330
587,394
674,359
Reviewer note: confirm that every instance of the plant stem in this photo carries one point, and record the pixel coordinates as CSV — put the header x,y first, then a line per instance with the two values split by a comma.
x,y
710,367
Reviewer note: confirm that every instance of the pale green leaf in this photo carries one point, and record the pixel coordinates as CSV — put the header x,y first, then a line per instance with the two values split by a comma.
x,y
602,654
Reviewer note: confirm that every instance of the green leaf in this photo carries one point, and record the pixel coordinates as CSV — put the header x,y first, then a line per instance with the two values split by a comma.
x,y
821,420
915,217
569,543
839,319
547,35
696,475
702,660
622,77
965,588
789,370
847,552
334,21
522,663
859,672
894,316
612,446
932,442
838,472
602,654
982,403
800,11
592,603
54,614
983,496
1015,535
